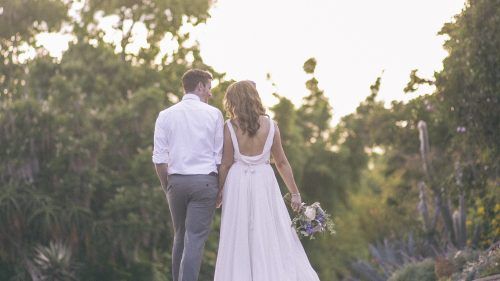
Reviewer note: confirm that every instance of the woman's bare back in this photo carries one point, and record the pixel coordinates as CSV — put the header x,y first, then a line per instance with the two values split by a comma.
x,y
252,146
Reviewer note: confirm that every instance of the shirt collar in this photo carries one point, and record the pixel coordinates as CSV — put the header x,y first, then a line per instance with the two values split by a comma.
x,y
190,96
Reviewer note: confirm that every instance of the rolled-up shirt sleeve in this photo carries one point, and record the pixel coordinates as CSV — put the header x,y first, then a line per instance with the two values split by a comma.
x,y
160,148
219,138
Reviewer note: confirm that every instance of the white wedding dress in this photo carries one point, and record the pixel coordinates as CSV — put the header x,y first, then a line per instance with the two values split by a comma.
x,y
257,242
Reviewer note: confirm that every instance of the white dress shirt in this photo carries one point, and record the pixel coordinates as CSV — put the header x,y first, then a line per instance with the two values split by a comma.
x,y
188,137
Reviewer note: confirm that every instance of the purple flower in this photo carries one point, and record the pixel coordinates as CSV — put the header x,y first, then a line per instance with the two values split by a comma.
x,y
320,219
309,229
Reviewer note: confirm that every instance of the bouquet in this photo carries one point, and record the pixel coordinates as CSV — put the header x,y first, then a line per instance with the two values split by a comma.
x,y
311,219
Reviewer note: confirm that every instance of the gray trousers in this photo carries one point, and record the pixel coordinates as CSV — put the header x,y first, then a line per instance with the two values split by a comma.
x,y
191,199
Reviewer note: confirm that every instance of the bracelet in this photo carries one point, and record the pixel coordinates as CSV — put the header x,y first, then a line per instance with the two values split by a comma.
x,y
296,194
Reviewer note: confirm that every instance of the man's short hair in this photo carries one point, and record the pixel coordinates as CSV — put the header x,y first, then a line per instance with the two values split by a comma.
x,y
193,77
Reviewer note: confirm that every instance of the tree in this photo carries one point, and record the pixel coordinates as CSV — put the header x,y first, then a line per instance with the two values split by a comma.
x,y
159,18
77,133
20,21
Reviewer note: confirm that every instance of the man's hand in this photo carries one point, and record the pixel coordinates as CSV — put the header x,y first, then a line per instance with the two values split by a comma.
x,y
218,203
162,172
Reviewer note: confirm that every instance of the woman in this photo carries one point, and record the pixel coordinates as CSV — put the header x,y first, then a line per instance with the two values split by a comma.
x,y
257,242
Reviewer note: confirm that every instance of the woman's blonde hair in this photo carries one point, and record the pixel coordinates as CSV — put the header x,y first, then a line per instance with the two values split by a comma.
x,y
242,103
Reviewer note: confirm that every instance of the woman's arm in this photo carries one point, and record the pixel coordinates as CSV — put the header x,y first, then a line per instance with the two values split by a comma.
x,y
226,163
285,169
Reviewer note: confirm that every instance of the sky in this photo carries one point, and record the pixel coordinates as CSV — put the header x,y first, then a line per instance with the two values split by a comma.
x,y
354,42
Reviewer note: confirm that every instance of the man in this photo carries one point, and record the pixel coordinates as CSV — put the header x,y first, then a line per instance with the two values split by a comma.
x,y
187,152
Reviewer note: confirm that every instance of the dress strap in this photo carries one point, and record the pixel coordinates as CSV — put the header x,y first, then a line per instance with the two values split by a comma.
x,y
270,136
233,138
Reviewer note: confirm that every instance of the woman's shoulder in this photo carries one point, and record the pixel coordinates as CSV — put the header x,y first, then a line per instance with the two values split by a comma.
x,y
232,123
263,119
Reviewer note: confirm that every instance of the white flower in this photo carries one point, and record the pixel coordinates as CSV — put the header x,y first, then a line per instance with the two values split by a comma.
x,y
310,212
315,205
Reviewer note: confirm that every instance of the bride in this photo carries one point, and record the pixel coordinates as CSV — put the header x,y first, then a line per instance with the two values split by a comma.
x,y
257,242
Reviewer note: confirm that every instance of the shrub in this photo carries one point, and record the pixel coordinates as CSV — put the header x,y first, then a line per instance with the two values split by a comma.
x,y
419,271
443,267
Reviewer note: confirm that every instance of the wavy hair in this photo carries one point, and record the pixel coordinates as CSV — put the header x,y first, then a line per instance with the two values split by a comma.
x,y
242,103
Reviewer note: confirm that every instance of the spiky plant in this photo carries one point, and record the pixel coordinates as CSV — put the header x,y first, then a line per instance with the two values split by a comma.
x,y
54,262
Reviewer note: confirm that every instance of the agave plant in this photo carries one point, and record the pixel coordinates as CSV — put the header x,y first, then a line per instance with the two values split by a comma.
x,y
54,262
393,254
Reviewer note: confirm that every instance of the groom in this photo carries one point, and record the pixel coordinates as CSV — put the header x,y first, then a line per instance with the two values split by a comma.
x,y
187,152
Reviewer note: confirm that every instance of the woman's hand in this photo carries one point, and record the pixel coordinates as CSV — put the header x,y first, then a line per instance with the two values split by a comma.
x,y
296,202
219,199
